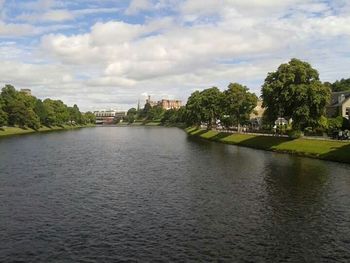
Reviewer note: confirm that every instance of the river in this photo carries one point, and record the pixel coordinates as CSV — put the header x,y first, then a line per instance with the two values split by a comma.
x,y
142,194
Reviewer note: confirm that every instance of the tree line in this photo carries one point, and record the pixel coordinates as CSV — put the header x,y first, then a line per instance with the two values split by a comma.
x,y
20,109
293,92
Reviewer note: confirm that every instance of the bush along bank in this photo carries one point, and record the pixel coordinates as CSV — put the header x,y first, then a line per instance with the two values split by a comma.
x,y
320,149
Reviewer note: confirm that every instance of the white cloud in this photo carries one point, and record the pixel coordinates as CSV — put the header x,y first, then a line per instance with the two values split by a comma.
x,y
48,16
199,44
137,6
16,29
62,15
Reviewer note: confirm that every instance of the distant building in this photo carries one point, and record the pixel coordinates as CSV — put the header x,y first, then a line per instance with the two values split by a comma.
x,y
26,91
165,104
150,102
106,117
339,105
170,104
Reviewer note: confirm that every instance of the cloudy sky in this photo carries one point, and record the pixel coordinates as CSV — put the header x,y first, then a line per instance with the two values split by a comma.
x,y
108,54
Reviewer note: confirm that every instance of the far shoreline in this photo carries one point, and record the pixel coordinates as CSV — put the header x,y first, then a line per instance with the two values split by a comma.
x,y
13,131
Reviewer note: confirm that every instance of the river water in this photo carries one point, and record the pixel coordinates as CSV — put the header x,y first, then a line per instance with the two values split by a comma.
x,y
114,194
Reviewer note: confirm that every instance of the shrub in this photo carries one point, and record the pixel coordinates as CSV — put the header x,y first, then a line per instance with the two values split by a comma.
x,y
295,134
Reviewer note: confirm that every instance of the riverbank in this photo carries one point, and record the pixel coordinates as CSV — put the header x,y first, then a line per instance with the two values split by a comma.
x,y
10,131
151,124
325,150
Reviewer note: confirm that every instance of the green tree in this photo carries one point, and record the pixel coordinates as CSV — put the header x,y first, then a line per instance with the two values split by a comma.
x,y
57,112
40,111
3,114
51,119
238,104
295,92
145,111
89,117
132,111
75,115
19,108
170,117
211,108
155,113
335,123
193,109
341,85
131,115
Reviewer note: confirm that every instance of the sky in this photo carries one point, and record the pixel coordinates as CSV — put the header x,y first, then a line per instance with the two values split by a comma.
x,y
103,54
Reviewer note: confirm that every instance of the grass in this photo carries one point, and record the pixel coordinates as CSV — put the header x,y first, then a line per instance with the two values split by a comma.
x,y
153,123
8,131
326,150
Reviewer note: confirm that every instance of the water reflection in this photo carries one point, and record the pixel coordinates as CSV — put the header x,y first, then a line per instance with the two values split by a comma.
x,y
148,194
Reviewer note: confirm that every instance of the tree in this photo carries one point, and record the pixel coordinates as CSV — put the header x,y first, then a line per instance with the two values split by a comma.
x,y
342,85
3,114
295,92
74,115
131,115
40,110
238,104
210,105
57,112
50,119
89,117
144,112
19,108
193,109
132,111
155,113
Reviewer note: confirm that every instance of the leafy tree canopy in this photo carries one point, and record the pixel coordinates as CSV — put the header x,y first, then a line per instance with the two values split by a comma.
x,y
295,92
341,85
238,104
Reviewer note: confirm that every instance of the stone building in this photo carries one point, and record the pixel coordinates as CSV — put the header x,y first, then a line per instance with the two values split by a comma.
x,y
170,104
339,105
165,104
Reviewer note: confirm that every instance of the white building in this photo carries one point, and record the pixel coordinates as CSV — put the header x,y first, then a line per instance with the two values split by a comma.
x,y
109,116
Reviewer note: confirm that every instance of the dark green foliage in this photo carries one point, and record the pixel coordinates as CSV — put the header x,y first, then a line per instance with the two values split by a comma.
x,y
295,134
341,85
132,111
238,103
173,116
295,92
335,123
18,108
204,106
89,117
41,111
233,106
148,113
3,115
155,113
211,107
75,116
193,109
131,115
145,111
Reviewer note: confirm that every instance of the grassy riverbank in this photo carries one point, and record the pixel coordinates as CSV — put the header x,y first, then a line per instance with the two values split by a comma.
x,y
326,150
8,131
